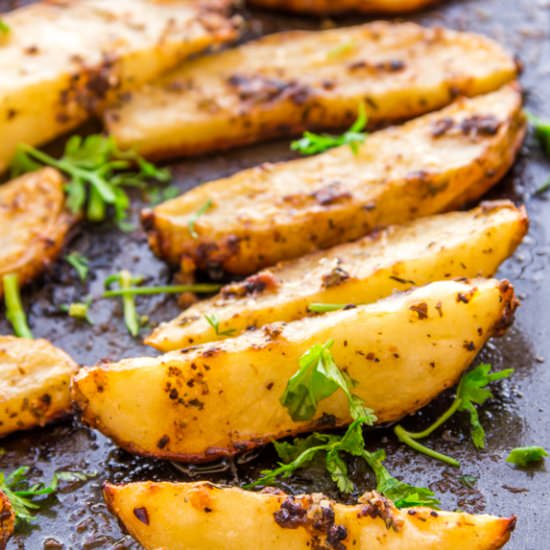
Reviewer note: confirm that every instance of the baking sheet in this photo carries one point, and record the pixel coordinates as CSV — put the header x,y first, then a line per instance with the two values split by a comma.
x,y
77,516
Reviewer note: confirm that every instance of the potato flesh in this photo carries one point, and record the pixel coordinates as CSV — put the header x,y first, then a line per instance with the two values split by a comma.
x,y
34,222
201,403
34,383
59,61
330,7
7,520
285,83
201,516
426,250
282,211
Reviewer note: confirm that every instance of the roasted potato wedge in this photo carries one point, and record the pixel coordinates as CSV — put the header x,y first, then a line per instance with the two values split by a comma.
x,y
62,60
260,216
7,520
217,399
426,250
332,7
202,516
34,383
34,223
285,83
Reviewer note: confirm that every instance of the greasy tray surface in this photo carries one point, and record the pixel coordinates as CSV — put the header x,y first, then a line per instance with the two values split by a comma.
x,y
79,519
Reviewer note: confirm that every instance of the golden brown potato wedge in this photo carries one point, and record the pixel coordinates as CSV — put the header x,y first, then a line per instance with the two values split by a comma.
x,y
457,244
61,60
333,7
7,520
34,223
280,211
285,83
217,399
202,516
34,383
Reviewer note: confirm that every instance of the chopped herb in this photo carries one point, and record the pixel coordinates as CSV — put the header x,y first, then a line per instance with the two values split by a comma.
x,y
468,481
15,313
311,143
302,451
97,171
22,496
157,195
80,263
125,281
343,49
196,215
79,310
324,308
318,378
542,131
198,288
472,390
214,322
543,188
5,29
524,456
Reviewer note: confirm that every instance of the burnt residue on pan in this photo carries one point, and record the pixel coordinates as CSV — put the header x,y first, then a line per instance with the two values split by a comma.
x,y
78,518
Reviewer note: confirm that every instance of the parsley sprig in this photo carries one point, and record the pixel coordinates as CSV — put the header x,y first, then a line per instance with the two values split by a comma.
x,y
98,173
201,211
317,378
5,29
214,322
312,144
525,456
80,263
24,497
15,313
472,390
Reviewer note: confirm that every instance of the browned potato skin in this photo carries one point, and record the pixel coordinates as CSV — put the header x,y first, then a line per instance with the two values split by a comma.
x,y
214,400
62,61
275,212
34,383
34,222
429,249
253,93
7,520
333,7
202,516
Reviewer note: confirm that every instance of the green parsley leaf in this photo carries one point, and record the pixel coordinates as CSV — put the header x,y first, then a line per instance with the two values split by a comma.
x,y
214,322
157,195
543,188
196,215
22,495
15,313
472,390
524,456
468,481
325,308
79,310
5,29
80,263
318,378
312,144
125,280
97,172
542,131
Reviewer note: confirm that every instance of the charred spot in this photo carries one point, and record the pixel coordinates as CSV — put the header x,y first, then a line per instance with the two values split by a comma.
x,y
163,441
142,514
402,281
254,284
196,403
211,352
336,534
331,194
326,421
377,506
442,126
469,345
420,309
392,66
273,331
269,386
290,515
262,89
480,125
335,277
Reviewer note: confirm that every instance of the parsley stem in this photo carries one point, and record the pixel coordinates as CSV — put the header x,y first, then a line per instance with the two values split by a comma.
x,y
202,288
15,313
441,420
96,206
406,438
129,304
325,308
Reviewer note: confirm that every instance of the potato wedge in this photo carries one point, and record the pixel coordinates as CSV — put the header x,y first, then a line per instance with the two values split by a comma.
x,y
202,516
426,250
214,400
332,7
34,223
285,83
274,212
34,383
7,520
61,60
